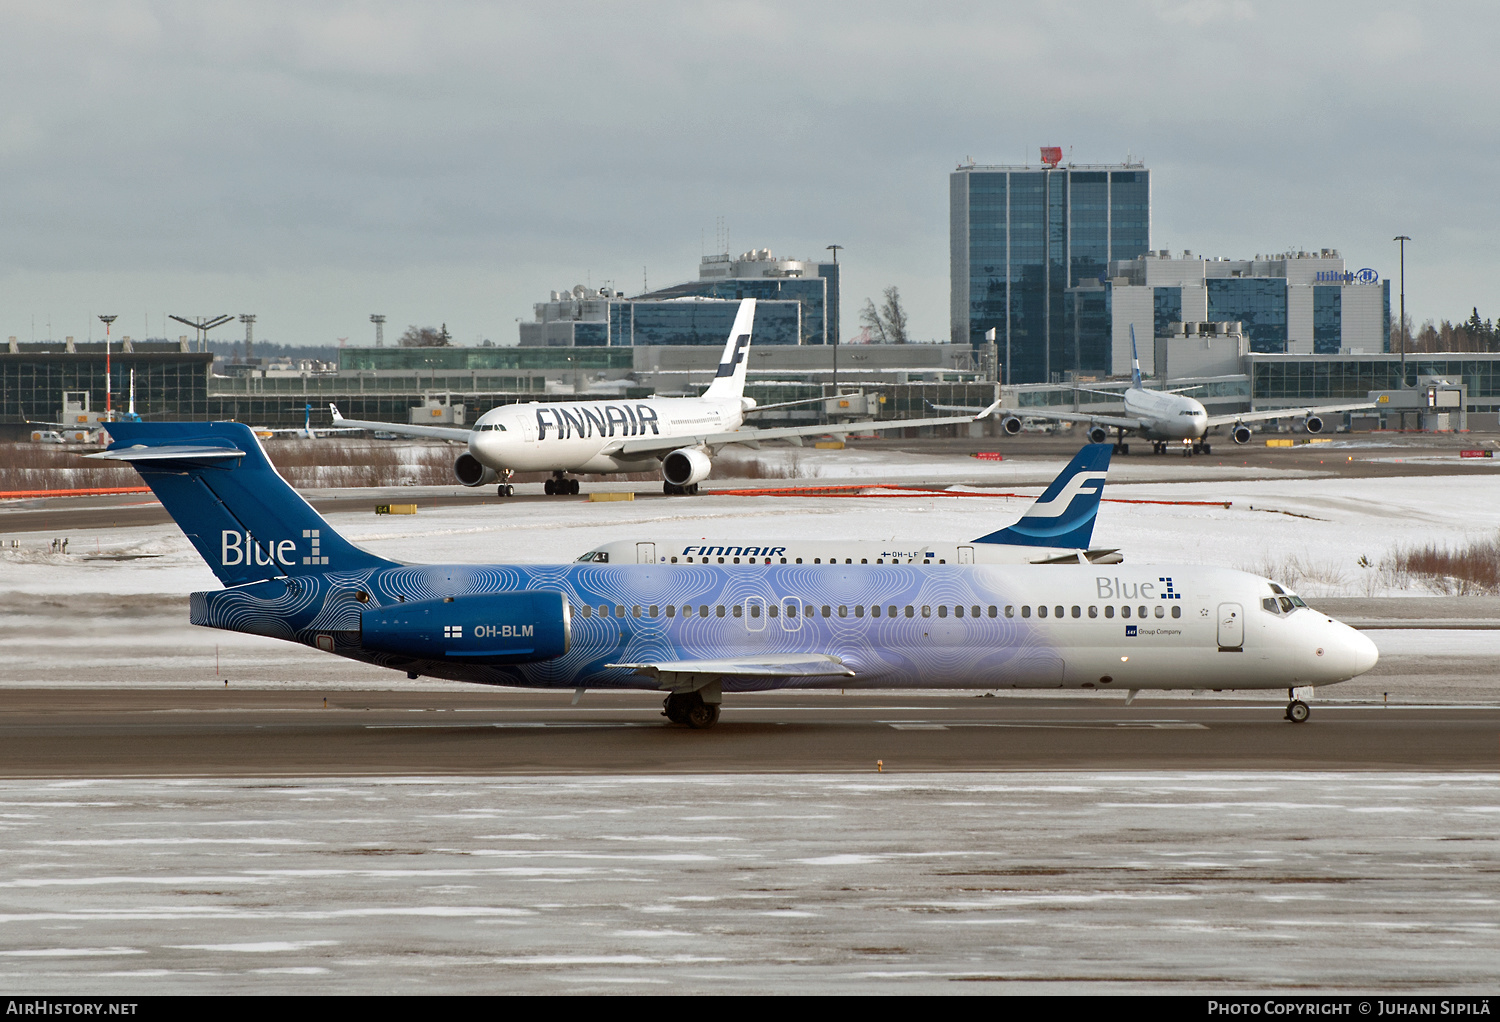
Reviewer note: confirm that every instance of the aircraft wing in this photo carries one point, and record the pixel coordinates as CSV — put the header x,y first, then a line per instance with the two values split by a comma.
x,y
750,436
1286,413
441,432
1117,421
768,665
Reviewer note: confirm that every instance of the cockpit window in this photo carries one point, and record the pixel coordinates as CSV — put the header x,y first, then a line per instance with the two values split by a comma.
x,y
1269,603
1277,589
587,557
1297,601
483,426
1286,604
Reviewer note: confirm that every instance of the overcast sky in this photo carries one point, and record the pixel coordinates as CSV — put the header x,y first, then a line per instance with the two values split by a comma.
x,y
453,162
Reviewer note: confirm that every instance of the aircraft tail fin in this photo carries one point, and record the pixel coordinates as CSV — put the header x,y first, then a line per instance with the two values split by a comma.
x,y
1135,361
245,520
729,383
1064,515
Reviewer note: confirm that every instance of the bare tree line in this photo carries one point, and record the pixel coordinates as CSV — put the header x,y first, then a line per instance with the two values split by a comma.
x,y
1473,335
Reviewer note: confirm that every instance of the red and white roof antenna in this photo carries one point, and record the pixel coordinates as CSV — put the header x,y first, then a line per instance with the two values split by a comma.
x,y
1051,156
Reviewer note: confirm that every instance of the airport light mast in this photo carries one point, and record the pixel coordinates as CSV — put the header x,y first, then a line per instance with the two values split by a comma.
x,y
203,326
108,406
1403,239
835,250
249,321
379,321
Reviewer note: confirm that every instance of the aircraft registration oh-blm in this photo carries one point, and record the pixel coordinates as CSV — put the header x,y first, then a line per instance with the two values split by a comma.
x,y
677,436
696,631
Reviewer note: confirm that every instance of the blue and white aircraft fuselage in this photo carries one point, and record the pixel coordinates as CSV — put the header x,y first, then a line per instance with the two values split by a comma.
x,y
697,631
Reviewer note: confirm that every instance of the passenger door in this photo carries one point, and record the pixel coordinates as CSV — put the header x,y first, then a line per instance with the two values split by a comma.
x,y
645,553
965,555
1231,628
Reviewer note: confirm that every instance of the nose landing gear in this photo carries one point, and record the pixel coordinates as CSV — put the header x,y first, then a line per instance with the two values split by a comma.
x,y
1296,710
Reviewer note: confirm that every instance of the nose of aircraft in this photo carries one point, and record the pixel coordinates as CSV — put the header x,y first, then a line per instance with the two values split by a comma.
x,y
1354,653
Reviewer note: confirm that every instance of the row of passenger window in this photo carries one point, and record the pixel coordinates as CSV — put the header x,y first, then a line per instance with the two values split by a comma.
x,y
798,560
858,611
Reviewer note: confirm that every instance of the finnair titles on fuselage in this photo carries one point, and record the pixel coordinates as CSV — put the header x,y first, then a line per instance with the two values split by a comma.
x,y
678,435
696,631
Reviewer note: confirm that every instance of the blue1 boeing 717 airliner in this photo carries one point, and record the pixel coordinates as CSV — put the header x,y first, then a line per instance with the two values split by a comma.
x,y
696,631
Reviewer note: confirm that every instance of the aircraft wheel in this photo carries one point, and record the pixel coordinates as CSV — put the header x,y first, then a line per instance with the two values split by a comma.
x,y
671,489
674,708
692,490
1208,449
573,487
702,716
549,488
502,490
1297,711
1123,448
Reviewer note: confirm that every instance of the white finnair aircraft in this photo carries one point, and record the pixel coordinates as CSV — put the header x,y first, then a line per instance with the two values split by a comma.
x,y
678,435
1167,417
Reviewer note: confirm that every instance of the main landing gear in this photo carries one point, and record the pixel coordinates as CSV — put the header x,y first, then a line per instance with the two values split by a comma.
x,y
690,709
673,490
1198,447
505,489
558,486
1296,711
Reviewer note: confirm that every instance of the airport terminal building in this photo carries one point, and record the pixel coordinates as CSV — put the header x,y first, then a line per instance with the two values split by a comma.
x,y
1030,249
1057,261
797,304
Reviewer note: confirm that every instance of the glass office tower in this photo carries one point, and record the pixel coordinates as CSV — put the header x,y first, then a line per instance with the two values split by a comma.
x,y
1029,251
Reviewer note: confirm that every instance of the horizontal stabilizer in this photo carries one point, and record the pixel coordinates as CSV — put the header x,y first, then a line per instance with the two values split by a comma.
x,y
196,452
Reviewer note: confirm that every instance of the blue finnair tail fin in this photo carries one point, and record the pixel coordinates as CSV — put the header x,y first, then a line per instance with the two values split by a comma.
x,y
1064,515
244,519
1135,361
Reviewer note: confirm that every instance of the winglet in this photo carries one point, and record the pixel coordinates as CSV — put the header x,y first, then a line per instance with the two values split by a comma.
x,y
988,410
1135,362
1064,515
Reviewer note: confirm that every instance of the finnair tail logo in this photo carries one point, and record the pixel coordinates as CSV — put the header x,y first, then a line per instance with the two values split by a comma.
x,y
726,368
1058,505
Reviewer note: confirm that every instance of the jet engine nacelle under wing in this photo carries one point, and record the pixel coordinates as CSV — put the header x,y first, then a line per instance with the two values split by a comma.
x,y
470,471
489,628
1313,424
1240,434
1011,424
686,466
1098,435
